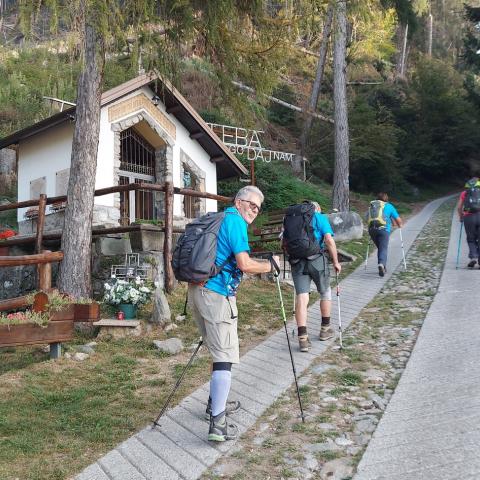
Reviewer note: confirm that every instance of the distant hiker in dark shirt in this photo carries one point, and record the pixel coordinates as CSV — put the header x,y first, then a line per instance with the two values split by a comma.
x,y
468,208
379,217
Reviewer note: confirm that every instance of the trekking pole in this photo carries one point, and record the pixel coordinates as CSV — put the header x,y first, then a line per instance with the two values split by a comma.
x,y
366,256
459,245
339,312
276,275
294,299
155,422
403,250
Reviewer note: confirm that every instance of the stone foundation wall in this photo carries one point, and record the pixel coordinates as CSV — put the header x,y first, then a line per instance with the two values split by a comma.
x,y
102,216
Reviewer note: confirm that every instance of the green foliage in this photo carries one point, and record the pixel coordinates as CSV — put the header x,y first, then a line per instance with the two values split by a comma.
x,y
374,140
278,113
279,186
441,125
30,74
471,40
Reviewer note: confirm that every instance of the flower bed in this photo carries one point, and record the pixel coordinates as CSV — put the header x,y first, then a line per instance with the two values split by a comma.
x,y
50,320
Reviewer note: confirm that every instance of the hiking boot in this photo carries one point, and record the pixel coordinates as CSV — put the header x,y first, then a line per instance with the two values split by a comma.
x,y
230,407
472,263
326,332
381,269
303,343
220,430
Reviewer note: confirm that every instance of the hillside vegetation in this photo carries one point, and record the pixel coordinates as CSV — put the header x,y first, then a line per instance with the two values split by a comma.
x,y
408,131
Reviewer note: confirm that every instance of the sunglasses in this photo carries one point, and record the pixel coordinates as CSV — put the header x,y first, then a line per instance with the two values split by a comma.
x,y
253,206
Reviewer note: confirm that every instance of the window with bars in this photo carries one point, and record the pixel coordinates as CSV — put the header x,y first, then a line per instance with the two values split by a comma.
x,y
190,204
136,154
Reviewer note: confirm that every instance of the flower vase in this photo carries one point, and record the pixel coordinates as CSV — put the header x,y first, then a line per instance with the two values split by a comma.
x,y
129,310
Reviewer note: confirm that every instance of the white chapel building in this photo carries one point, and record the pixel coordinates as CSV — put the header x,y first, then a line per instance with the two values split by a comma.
x,y
148,133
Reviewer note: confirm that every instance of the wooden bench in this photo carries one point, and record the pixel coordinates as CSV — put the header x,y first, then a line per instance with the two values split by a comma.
x,y
271,229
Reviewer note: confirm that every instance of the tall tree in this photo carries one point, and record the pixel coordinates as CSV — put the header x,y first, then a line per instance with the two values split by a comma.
x,y
341,188
74,274
317,84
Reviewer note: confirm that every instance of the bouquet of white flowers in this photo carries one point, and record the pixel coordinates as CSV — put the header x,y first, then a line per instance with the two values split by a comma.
x,y
133,291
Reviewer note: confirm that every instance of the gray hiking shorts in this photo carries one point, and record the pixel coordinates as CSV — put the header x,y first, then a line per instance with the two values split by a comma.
x,y
216,317
318,270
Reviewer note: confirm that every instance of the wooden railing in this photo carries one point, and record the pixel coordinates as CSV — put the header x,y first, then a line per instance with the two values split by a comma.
x,y
43,261
169,190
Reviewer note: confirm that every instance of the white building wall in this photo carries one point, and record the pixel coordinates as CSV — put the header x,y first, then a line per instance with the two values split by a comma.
x,y
193,149
42,156
104,178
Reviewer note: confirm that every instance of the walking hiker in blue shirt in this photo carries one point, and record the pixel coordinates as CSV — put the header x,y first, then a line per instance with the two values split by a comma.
x,y
313,267
214,306
380,216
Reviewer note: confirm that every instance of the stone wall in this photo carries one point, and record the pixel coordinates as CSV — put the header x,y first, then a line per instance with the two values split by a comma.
x,y
102,216
21,280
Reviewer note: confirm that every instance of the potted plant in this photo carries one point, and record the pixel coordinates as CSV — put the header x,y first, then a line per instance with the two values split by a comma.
x,y
127,294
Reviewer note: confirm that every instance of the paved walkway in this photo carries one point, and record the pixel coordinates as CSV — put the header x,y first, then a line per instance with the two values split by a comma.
x,y
179,449
431,427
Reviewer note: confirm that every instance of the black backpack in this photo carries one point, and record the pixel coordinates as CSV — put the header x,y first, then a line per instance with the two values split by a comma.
x,y
472,197
194,256
298,235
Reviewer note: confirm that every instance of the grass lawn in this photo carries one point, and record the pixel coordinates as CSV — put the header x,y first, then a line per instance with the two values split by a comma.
x,y
57,417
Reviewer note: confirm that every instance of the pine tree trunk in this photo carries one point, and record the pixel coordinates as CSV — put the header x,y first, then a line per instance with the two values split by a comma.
x,y
75,272
312,104
430,35
341,187
402,39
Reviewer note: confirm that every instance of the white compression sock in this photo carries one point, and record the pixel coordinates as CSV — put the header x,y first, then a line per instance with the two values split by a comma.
x,y
219,390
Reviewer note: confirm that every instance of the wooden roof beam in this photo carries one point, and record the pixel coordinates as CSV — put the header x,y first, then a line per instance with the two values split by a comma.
x,y
174,109
197,135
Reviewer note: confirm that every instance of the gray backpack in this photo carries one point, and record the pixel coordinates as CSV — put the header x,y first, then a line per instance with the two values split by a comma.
x,y
194,256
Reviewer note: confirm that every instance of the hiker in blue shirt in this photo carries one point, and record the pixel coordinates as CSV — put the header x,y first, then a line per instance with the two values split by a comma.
x,y
214,306
380,216
312,267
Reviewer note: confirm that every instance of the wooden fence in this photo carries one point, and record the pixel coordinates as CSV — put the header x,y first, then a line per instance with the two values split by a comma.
x,y
169,190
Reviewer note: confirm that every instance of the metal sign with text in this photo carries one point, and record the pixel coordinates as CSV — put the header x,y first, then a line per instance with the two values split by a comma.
x,y
243,141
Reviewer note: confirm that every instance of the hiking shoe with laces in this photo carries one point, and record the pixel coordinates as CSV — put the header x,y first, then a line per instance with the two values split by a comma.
x,y
220,430
381,269
326,332
230,407
303,343
472,263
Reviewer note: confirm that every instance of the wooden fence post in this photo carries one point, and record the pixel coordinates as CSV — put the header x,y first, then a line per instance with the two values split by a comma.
x,y
168,240
40,222
45,275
